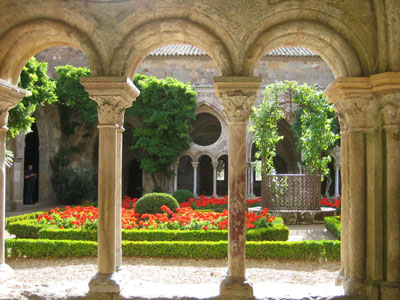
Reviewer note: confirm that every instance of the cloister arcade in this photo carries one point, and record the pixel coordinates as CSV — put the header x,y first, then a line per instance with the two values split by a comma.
x,y
359,40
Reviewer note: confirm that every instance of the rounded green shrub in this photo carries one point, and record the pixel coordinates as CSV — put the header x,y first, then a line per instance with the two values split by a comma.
x,y
182,195
151,203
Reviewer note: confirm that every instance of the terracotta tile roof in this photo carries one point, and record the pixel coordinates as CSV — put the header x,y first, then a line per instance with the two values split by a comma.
x,y
188,50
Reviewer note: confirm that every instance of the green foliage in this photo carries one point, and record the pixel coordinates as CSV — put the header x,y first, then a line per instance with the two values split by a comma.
x,y
31,216
265,127
68,234
26,229
73,97
49,248
42,91
165,110
334,225
304,250
316,129
182,195
313,126
151,203
73,186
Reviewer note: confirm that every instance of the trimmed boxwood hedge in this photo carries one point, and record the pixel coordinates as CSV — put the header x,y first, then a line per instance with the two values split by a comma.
x,y
334,225
31,229
305,250
276,233
31,216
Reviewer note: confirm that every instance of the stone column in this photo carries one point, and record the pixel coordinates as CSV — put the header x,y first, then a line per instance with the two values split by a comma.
x,y
337,181
113,95
10,95
249,179
369,115
252,181
176,176
237,95
215,165
195,165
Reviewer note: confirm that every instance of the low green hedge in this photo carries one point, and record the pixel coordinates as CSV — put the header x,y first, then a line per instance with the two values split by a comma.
x,y
26,229
31,229
334,225
31,216
276,233
305,250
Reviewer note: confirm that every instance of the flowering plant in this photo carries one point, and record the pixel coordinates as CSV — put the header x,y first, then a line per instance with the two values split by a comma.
x,y
184,219
334,203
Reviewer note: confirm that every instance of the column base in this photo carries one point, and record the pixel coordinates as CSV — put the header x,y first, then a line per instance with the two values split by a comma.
x,y
236,288
372,290
6,272
108,283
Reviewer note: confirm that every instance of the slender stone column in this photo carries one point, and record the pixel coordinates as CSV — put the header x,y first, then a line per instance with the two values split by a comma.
x,y
369,115
10,95
176,177
337,182
248,164
237,95
113,95
215,165
195,165
251,181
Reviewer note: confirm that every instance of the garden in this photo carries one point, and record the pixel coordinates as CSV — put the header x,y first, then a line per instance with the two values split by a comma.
x,y
157,225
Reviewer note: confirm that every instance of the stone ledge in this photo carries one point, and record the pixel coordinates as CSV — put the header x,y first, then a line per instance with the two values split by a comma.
x,y
301,217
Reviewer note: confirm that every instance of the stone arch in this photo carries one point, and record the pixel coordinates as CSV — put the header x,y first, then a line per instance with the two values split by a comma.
x,y
25,40
185,172
329,44
140,41
205,176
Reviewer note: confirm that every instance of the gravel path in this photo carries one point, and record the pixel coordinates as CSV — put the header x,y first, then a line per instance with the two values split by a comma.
x,y
168,278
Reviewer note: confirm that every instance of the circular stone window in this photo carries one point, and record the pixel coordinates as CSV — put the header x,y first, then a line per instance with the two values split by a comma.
x,y
206,129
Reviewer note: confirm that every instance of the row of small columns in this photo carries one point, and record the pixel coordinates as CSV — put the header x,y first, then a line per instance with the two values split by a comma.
x,y
369,114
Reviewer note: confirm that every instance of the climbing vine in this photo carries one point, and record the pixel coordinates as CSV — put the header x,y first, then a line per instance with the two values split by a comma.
x,y
314,128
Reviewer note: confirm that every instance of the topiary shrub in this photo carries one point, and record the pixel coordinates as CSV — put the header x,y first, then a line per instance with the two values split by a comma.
x,y
182,195
151,203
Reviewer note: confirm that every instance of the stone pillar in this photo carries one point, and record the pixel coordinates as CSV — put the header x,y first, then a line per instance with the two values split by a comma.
x,y
195,165
215,165
237,95
113,95
10,95
176,177
249,179
252,181
337,181
369,115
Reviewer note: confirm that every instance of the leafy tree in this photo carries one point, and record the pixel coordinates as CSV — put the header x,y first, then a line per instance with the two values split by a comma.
x,y
165,110
73,97
42,91
313,127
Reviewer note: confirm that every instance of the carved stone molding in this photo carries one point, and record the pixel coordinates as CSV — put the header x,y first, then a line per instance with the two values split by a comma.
x,y
237,95
366,102
10,95
390,107
113,96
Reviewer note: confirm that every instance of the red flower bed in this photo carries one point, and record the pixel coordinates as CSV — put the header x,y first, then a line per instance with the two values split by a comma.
x,y
185,218
334,203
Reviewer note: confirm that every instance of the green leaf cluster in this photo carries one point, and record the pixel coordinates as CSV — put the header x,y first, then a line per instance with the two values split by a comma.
x,y
165,110
42,90
315,127
334,225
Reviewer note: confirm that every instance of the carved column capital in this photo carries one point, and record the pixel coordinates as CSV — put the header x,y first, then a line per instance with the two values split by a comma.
x,y
195,164
10,95
237,95
366,102
113,96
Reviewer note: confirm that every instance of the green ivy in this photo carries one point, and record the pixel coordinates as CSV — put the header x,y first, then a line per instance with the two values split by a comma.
x,y
42,90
